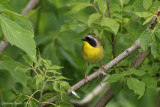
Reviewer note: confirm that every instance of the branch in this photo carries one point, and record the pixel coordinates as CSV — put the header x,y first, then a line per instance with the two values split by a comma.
x,y
94,75
140,58
31,5
4,44
109,12
96,91
105,98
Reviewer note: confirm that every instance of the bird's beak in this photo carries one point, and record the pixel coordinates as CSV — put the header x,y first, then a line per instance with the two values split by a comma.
x,y
83,39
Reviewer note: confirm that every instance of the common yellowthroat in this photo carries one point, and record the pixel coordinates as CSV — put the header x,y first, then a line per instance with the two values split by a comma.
x,y
92,51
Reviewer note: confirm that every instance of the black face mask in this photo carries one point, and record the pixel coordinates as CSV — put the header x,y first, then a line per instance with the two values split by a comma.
x,y
91,41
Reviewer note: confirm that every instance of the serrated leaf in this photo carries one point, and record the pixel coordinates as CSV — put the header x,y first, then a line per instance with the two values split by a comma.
x,y
27,60
65,85
31,103
147,4
121,2
92,18
56,86
61,78
79,6
143,14
114,77
145,38
53,71
136,72
102,5
39,79
4,9
148,20
18,74
48,95
137,86
55,67
149,81
21,98
154,47
111,23
96,1
157,33
61,98
18,36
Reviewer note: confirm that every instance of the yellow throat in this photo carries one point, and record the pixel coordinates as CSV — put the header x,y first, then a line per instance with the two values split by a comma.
x,y
92,54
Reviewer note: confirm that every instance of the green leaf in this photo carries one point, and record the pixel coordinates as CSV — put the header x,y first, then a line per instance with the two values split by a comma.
x,y
136,72
55,67
53,71
65,85
149,81
16,70
39,79
61,78
21,98
157,33
48,95
121,2
102,4
147,4
111,23
137,86
148,20
96,1
27,60
24,23
61,98
31,103
145,38
79,6
154,47
56,87
117,86
143,14
18,36
92,18
114,77
4,9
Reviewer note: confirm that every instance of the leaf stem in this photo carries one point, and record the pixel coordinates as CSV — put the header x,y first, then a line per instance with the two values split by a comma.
x,y
95,8
41,93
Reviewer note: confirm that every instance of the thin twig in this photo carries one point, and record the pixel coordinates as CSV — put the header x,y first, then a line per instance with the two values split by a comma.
x,y
4,44
112,35
109,12
105,99
31,5
95,8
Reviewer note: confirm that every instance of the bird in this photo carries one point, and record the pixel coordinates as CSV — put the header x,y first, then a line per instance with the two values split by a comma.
x,y
92,51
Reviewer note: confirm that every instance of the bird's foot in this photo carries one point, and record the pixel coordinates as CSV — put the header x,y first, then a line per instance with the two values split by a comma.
x,y
103,70
85,78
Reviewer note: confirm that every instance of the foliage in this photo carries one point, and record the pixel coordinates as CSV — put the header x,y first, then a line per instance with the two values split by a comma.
x,y
48,38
